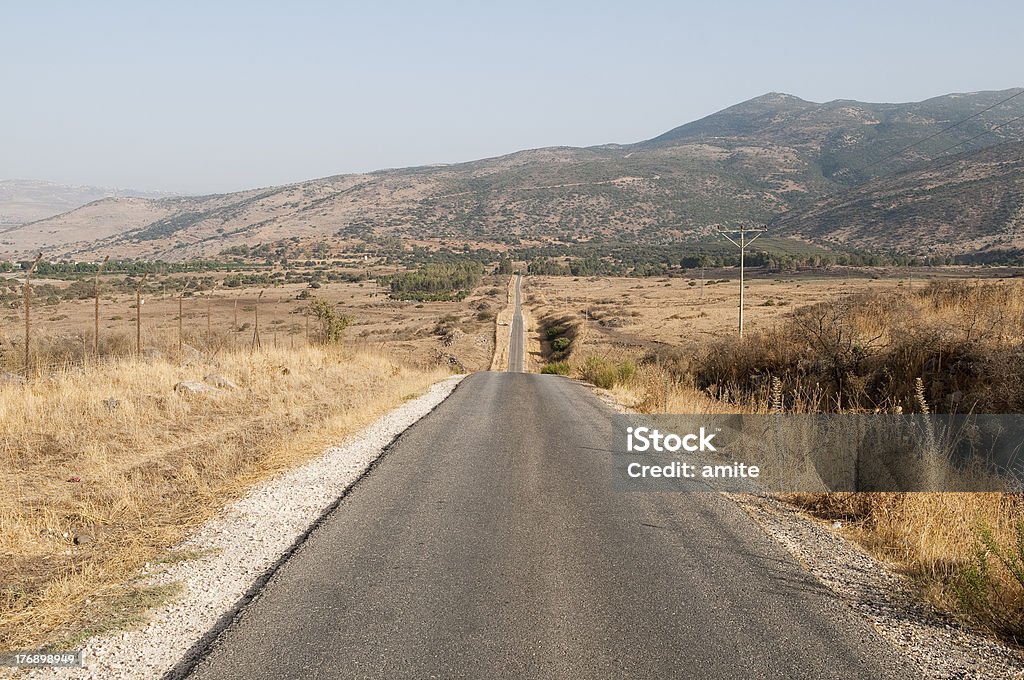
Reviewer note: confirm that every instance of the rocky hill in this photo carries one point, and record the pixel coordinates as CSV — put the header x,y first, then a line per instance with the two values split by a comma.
x,y
771,156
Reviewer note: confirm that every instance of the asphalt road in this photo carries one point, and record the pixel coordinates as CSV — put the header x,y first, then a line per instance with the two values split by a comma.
x,y
516,341
488,543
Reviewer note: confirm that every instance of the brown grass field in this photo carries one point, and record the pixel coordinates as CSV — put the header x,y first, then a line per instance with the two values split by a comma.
x,y
133,475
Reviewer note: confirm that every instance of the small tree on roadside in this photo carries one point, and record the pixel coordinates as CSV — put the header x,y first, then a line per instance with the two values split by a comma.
x,y
332,324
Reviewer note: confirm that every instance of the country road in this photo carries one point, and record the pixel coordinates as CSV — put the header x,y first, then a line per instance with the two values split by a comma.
x,y
488,543
517,335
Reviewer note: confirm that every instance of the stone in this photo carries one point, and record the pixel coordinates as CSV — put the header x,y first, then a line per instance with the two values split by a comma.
x,y
192,387
221,382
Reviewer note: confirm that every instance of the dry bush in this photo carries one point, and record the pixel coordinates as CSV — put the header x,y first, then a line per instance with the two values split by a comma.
x,y
863,353
112,452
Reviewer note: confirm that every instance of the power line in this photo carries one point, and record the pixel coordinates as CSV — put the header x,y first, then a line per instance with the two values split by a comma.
x,y
968,141
846,190
936,134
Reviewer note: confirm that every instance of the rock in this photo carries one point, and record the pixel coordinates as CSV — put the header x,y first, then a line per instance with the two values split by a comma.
x,y
192,387
112,404
83,539
221,382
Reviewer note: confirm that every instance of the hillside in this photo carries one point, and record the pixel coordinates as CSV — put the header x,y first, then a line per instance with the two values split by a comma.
x,y
23,201
970,203
755,161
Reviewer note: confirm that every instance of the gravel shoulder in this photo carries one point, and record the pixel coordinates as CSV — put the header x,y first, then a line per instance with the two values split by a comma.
x,y
240,549
940,647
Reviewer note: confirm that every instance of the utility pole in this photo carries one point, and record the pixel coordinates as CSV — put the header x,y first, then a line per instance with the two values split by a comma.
x,y
28,309
181,322
138,315
96,291
742,245
256,330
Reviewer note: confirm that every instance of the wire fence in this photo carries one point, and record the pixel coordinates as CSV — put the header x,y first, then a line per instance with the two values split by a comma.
x,y
149,324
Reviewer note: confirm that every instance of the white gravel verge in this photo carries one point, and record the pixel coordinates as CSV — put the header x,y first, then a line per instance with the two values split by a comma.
x,y
941,648
239,546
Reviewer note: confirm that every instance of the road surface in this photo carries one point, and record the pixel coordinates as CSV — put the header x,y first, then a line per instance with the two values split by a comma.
x,y
516,340
488,543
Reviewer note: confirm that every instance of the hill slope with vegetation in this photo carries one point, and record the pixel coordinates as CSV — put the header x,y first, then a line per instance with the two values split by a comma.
x,y
771,156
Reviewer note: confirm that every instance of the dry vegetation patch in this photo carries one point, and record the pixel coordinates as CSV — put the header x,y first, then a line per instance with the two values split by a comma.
x,y
110,466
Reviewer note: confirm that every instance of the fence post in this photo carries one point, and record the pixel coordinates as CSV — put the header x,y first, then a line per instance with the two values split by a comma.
x,y
138,316
28,309
96,318
256,330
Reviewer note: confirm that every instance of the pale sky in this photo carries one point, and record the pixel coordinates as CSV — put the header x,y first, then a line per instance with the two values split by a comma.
x,y
201,97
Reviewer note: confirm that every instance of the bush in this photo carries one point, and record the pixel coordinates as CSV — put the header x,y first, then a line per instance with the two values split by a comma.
x,y
605,373
556,368
560,344
555,331
332,324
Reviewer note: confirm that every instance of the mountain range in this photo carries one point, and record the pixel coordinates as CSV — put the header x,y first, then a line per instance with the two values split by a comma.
x,y
837,173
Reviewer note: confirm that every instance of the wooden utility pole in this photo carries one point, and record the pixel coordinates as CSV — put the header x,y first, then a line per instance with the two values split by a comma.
x,y
138,315
742,245
256,328
181,322
96,292
28,309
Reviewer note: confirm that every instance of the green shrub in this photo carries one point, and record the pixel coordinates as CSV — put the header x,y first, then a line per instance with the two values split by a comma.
x,y
560,344
556,368
605,373
555,331
332,324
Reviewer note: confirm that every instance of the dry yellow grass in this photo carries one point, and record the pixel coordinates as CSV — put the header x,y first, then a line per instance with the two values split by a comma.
x,y
114,453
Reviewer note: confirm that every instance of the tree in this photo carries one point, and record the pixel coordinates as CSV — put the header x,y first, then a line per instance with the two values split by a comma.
x,y
332,324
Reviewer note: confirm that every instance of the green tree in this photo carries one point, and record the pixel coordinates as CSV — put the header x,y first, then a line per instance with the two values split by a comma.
x,y
332,324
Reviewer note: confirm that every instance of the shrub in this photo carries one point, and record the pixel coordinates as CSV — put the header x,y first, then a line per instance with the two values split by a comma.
x,y
332,324
605,373
560,344
555,331
556,368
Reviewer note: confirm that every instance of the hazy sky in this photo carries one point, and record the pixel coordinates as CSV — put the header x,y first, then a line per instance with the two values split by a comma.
x,y
215,96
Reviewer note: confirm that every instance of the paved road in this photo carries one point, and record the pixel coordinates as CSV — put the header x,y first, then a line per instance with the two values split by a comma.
x,y
488,544
516,340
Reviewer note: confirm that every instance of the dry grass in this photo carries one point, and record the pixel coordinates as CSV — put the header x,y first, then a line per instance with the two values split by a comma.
x,y
137,473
